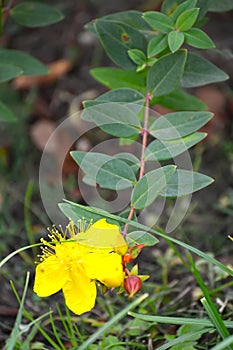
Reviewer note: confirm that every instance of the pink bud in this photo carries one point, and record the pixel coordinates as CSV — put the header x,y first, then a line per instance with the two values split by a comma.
x,y
132,285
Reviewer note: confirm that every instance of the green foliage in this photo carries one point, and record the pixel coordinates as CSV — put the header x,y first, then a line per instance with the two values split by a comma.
x,y
175,40
186,19
179,124
117,95
165,75
148,48
157,44
179,100
28,64
5,114
8,72
159,21
149,187
14,63
137,56
141,237
159,150
117,39
197,38
115,118
115,78
35,14
184,6
185,182
198,71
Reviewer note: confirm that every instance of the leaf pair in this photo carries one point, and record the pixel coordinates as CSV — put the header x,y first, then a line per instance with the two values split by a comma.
x,y
165,76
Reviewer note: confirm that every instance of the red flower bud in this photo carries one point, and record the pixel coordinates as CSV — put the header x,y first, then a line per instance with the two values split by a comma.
x,y
132,285
132,253
127,258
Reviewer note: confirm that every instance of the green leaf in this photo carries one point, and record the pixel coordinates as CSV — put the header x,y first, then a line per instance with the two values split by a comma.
x,y
9,71
203,6
35,14
175,40
117,95
167,149
90,162
6,114
157,44
28,64
185,182
165,75
141,237
169,6
198,72
130,159
186,5
158,21
220,6
187,19
115,78
137,56
197,38
132,18
117,39
115,175
103,169
179,100
178,124
187,328
114,118
150,185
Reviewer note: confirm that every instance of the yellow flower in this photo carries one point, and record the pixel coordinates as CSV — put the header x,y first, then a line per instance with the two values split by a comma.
x,y
76,263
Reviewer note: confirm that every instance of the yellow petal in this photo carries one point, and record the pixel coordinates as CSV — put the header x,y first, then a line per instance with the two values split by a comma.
x,y
104,267
102,235
50,277
79,291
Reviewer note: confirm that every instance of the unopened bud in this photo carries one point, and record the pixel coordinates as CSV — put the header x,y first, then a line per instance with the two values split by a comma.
x,y
132,253
132,285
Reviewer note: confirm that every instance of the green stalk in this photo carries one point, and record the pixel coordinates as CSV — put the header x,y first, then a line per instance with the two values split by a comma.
x,y
112,321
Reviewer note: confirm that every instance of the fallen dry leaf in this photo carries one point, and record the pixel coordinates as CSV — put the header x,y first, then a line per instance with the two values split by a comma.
x,y
40,132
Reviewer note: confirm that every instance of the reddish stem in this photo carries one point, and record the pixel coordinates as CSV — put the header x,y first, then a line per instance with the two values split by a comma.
x,y
6,11
129,218
144,133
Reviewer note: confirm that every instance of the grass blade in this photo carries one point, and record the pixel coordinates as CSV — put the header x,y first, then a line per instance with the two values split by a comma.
x,y
183,338
223,344
9,256
11,341
217,321
178,320
209,306
112,321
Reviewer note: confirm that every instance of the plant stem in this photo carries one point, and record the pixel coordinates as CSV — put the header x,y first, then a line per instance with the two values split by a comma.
x,y
6,11
144,133
130,216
